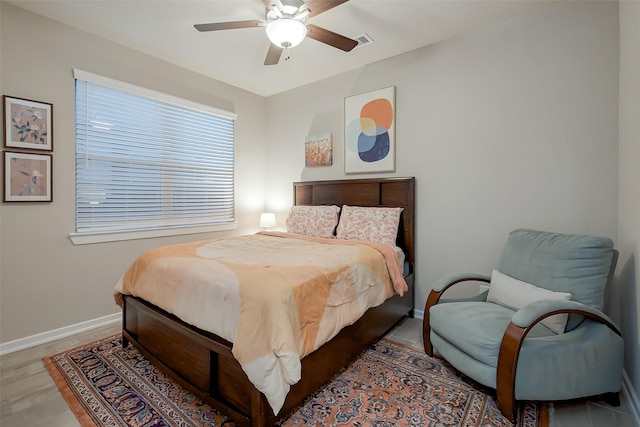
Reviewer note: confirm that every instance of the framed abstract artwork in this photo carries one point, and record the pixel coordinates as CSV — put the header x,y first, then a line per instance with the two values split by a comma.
x,y
369,134
27,124
318,150
27,177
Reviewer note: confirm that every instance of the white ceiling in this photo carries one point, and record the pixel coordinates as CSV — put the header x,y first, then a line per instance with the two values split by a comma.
x,y
164,29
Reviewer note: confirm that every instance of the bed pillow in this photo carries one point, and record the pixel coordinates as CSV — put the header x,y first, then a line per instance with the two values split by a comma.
x,y
316,221
378,225
515,294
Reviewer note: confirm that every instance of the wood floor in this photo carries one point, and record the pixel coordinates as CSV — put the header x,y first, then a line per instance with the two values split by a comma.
x,y
29,397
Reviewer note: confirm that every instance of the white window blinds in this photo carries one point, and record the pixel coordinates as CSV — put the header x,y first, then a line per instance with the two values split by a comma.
x,y
145,160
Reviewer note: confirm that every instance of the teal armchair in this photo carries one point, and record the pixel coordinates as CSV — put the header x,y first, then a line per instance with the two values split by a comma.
x,y
539,332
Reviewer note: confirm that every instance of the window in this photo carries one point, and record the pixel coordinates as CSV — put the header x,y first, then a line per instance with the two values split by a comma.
x,y
147,161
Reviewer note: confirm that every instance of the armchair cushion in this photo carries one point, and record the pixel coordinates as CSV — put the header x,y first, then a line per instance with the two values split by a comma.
x,y
516,294
569,263
578,264
476,328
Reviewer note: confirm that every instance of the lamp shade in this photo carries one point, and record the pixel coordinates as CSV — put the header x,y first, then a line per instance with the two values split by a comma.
x,y
286,32
268,220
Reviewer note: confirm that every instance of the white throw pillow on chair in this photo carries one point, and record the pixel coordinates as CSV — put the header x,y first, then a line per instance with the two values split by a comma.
x,y
516,294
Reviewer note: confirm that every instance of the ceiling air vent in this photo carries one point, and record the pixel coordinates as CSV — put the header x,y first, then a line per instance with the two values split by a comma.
x,y
363,40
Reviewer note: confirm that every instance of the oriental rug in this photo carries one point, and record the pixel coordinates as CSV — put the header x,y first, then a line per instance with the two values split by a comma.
x,y
389,384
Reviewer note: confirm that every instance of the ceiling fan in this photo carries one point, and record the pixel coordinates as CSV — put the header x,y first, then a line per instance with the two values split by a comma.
x,y
286,27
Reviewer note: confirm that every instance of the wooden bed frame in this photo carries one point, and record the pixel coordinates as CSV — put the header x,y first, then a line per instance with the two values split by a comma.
x,y
202,362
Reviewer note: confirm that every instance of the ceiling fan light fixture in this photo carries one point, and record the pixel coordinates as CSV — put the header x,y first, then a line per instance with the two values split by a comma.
x,y
286,32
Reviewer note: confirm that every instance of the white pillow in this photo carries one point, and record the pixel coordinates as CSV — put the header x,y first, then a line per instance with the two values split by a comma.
x,y
516,294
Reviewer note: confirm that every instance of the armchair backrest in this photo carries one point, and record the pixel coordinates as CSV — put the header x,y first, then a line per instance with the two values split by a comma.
x,y
580,265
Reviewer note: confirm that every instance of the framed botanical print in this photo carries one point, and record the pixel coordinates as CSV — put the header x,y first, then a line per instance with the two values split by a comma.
x,y
27,124
27,177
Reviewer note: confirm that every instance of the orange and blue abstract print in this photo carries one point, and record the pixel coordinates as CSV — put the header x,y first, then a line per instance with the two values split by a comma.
x,y
369,132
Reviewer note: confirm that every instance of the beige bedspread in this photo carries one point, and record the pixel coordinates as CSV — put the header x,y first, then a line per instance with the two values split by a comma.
x,y
276,296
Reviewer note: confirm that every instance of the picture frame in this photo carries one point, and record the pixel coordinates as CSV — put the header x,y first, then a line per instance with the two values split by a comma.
x,y
318,150
28,124
27,177
369,134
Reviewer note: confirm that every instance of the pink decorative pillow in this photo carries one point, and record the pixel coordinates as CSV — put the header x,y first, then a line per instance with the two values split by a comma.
x,y
317,221
368,223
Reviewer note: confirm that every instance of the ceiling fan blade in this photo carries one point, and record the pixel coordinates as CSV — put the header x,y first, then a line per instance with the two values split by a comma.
x,y
216,26
316,7
329,37
273,55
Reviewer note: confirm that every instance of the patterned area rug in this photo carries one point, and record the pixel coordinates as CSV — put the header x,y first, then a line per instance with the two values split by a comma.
x,y
389,384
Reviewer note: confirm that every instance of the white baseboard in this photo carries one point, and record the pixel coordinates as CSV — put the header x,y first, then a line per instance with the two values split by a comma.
x,y
631,397
44,337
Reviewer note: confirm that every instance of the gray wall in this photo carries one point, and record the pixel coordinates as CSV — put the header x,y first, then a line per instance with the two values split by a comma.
x,y
626,301
514,125
47,282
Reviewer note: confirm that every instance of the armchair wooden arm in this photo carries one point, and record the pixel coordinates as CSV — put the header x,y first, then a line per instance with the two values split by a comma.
x,y
434,298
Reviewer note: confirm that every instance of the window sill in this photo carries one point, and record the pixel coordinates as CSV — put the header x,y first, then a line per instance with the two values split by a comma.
x,y
89,238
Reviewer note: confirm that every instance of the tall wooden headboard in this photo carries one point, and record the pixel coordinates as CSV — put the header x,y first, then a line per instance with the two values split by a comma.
x,y
389,192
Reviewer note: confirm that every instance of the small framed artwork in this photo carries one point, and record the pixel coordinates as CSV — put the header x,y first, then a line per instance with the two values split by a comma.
x,y
318,150
27,124
27,177
369,134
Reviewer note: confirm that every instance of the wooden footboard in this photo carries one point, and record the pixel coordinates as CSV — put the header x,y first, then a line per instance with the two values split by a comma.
x,y
202,362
